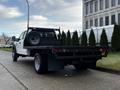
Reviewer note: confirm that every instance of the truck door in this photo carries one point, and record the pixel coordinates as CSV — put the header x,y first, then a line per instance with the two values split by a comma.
x,y
20,49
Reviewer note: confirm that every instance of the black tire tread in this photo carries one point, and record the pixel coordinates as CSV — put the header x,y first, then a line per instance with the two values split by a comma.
x,y
80,67
15,57
43,67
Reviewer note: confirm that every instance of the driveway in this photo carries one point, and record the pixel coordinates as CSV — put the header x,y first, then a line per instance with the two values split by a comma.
x,y
21,76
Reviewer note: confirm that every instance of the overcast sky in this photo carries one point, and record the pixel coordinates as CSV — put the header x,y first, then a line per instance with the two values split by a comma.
x,y
66,14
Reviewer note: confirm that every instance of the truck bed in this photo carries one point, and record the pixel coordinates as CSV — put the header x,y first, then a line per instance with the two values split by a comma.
x,y
66,47
71,52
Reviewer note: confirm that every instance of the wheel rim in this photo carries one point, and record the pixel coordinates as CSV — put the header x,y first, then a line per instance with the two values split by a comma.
x,y
37,63
34,40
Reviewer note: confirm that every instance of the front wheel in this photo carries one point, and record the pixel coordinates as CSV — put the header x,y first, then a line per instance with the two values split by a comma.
x,y
40,63
14,55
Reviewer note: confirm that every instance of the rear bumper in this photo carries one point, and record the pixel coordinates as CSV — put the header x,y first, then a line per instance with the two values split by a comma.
x,y
88,59
78,57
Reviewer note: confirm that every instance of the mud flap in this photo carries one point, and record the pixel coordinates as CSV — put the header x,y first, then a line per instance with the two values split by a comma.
x,y
54,64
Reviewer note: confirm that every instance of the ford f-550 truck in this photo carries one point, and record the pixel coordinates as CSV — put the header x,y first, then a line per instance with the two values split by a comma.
x,y
50,54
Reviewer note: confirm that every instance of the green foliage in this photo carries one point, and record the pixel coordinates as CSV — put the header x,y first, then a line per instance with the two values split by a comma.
x,y
84,39
112,61
68,38
75,39
92,41
63,37
116,38
103,39
6,49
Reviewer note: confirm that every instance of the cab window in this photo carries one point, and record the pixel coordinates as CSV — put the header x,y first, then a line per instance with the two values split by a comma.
x,y
22,35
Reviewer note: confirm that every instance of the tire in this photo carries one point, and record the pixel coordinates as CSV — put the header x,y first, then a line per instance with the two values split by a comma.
x,y
33,38
40,64
80,67
14,55
93,64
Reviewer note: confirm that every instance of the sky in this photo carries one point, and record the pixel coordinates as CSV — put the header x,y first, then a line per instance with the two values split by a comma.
x,y
66,14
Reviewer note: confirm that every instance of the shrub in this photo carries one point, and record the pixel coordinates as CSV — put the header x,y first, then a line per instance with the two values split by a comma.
x,y
103,39
92,41
75,39
116,38
68,38
84,39
63,37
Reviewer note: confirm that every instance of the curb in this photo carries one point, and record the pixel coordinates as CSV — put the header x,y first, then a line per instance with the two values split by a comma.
x,y
107,70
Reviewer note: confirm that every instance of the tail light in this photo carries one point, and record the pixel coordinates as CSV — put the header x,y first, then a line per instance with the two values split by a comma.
x,y
104,52
57,50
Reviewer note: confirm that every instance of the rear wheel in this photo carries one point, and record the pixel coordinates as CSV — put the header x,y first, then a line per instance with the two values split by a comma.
x,y
14,55
40,64
93,64
80,67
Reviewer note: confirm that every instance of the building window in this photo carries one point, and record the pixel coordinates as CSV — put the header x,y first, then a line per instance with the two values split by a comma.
x,y
87,8
96,6
91,23
119,18
119,2
107,20
96,22
113,3
113,19
101,21
91,7
106,4
86,24
101,4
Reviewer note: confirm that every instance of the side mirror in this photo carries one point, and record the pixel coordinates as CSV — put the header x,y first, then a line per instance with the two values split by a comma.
x,y
13,38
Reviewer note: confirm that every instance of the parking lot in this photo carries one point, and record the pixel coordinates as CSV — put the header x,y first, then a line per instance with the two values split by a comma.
x,y
21,76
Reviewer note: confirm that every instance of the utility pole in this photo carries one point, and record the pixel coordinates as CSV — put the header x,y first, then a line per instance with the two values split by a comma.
x,y
28,13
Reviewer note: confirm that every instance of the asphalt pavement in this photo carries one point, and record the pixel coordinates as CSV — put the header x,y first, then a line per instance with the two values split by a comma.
x,y
21,76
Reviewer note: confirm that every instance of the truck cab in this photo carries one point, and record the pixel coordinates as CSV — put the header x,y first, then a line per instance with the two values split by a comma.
x,y
19,44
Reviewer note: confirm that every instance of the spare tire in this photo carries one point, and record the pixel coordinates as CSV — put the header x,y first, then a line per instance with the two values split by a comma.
x,y
33,38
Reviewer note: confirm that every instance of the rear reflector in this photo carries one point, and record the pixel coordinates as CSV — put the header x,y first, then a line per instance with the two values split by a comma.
x,y
104,52
56,50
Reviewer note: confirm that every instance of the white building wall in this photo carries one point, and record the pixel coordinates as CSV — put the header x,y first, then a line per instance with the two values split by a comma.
x,y
98,32
112,10
100,13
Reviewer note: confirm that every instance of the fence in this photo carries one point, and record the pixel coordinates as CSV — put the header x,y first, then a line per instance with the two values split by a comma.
x,y
98,32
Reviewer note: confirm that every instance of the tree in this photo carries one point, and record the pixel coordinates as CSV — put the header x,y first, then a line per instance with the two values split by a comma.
x,y
103,39
92,41
116,38
63,37
84,39
75,39
6,38
68,38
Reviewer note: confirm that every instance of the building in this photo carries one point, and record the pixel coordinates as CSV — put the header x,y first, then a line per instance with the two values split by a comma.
x,y
97,13
101,13
2,41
